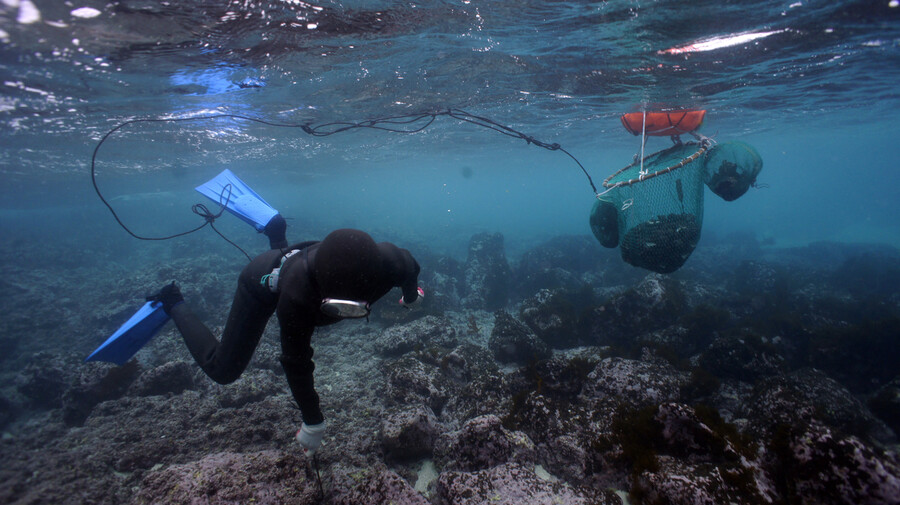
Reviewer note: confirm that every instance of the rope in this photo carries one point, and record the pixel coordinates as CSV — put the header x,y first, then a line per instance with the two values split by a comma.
x,y
318,477
199,209
407,123
643,141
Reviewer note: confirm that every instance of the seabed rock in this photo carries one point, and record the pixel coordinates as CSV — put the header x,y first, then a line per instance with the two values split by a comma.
x,y
807,394
409,434
512,341
173,377
822,466
637,383
43,382
746,359
261,478
411,382
487,273
376,485
554,316
97,384
886,404
514,484
483,443
652,305
427,331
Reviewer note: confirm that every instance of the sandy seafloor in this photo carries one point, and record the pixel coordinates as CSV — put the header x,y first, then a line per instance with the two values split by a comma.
x,y
755,374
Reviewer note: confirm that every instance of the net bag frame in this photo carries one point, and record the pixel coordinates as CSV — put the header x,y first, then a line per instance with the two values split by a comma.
x,y
659,204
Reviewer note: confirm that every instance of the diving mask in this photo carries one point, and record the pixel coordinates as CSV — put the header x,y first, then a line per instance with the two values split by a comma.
x,y
352,309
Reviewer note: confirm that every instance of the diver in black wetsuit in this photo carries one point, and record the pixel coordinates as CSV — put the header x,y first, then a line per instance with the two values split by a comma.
x,y
307,285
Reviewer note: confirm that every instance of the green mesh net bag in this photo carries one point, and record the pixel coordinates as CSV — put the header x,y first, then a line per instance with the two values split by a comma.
x,y
654,215
731,168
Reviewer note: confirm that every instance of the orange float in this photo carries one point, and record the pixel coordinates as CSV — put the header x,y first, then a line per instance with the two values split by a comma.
x,y
663,123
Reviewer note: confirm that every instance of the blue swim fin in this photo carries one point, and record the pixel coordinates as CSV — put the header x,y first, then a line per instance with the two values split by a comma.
x,y
131,336
243,202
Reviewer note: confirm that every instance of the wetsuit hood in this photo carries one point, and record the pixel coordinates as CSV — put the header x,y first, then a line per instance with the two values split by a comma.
x,y
348,265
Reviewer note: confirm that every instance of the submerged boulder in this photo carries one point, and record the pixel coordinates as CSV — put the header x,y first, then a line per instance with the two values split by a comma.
x,y
97,384
354,486
559,263
807,394
554,315
745,358
514,484
409,434
267,477
487,273
678,482
886,404
427,331
482,388
815,464
43,382
512,341
411,381
653,304
635,383
173,377
483,443
445,283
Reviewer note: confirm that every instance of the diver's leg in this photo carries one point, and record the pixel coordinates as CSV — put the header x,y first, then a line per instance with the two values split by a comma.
x,y
251,309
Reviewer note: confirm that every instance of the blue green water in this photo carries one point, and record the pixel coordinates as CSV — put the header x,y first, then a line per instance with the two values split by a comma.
x,y
812,85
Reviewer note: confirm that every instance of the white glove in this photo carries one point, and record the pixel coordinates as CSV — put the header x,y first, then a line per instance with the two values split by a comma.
x,y
419,299
310,437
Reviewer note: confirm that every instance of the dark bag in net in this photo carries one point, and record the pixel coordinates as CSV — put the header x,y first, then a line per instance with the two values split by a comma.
x,y
605,223
731,168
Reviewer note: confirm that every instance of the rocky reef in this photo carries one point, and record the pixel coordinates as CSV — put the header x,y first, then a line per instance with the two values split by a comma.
x,y
753,375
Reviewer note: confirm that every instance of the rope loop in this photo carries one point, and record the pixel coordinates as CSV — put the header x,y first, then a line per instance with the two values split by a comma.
x,y
405,123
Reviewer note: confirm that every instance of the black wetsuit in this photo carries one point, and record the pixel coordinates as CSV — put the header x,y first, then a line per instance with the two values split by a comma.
x,y
297,304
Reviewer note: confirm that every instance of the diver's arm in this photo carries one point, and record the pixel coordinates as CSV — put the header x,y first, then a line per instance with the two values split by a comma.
x,y
402,269
410,284
296,358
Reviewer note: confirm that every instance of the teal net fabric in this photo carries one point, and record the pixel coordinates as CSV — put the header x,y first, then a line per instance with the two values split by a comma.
x,y
658,218
731,168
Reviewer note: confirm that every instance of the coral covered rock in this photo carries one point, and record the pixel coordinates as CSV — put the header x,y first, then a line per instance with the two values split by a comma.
x,y
410,433
172,377
487,273
819,465
410,381
96,384
637,383
514,484
264,478
483,443
427,331
512,341
807,394
554,316
653,304
376,486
